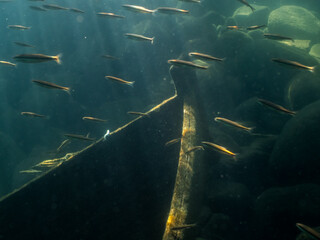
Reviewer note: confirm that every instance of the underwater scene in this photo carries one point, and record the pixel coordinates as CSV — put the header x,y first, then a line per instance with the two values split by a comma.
x,y
161,119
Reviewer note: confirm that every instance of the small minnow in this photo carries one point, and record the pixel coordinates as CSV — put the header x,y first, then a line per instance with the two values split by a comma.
x,y
37,58
136,8
8,63
255,27
169,10
80,137
277,37
138,37
37,8
119,80
173,141
110,57
308,230
203,56
293,64
220,149
234,27
18,27
177,62
233,124
247,4
195,148
63,144
183,227
94,119
276,107
54,7
51,85
31,171
76,10
23,44
105,14
138,113
49,163
192,1
32,114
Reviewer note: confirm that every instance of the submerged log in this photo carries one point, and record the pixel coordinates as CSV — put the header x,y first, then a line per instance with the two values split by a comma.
x,y
187,195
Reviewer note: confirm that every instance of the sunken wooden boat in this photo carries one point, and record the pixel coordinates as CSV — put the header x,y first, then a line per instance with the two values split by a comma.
x,y
127,186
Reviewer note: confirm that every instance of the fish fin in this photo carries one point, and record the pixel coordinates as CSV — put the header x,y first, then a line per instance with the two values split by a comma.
x,y
152,40
58,58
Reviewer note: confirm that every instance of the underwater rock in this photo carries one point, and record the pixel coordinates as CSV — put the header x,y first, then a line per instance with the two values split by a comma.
x,y
231,198
245,17
303,89
197,27
218,227
253,164
295,22
204,215
236,41
312,5
295,156
279,209
315,51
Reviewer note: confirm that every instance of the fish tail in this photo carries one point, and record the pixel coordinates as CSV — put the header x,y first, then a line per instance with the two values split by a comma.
x,y
131,84
68,90
252,8
293,113
152,40
58,58
312,69
250,129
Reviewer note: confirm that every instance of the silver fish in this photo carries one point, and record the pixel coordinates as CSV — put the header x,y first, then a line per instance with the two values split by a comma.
x,y
135,8
138,37
182,63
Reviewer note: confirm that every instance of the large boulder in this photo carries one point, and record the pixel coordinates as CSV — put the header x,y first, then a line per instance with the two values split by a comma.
x,y
315,51
279,209
295,22
230,198
245,17
295,156
303,89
